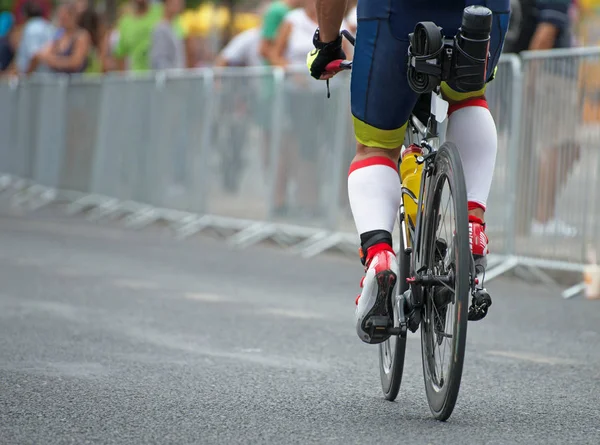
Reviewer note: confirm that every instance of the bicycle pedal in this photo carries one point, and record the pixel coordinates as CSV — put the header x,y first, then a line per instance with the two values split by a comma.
x,y
479,305
378,322
377,326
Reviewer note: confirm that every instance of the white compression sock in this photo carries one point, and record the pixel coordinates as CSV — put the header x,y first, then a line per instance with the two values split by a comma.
x,y
374,193
472,128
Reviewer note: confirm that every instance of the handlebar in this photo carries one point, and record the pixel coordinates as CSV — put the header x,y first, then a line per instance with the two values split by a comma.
x,y
340,65
349,37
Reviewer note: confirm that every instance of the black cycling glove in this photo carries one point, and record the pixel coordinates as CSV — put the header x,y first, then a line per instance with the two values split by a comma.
x,y
323,54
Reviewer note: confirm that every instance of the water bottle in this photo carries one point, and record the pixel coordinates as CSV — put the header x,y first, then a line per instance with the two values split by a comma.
x,y
410,172
474,39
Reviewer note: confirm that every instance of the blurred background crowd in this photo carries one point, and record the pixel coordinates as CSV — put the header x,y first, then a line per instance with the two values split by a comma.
x,y
97,37
100,36
87,36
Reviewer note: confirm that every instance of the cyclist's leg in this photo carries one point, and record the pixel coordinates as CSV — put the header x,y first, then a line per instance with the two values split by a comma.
x,y
381,104
472,128
470,123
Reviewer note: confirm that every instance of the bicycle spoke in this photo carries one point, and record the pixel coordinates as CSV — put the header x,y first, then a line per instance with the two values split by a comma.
x,y
444,221
441,358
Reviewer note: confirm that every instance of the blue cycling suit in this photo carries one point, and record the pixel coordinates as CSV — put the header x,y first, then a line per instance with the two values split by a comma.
x,y
381,98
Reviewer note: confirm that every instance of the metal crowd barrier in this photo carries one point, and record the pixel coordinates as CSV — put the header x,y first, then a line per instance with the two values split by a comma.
x,y
555,206
261,154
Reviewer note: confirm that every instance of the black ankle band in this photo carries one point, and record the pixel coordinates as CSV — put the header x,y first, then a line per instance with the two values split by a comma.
x,y
369,239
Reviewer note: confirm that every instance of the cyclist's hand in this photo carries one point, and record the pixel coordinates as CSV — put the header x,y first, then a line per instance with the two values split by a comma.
x,y
324,54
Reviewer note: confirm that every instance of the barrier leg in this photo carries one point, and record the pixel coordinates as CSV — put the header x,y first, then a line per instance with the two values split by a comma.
x,y
509,264
573,291
321,246
254,234
192,225
142,218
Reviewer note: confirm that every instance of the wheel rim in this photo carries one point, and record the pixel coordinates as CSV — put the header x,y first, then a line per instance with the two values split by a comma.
x,y
440,306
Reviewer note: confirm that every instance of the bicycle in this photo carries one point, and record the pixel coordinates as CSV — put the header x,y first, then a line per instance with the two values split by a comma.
x,y
436,273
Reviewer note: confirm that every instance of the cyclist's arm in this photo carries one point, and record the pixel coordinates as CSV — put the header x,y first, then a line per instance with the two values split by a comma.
x,y
272,20
235,52
277,54
544,37
73,61
553,17
330,14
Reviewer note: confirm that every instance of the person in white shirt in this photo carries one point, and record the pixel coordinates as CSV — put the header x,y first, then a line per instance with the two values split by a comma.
x,y
37,33
294,39
307,119
242,50
238,106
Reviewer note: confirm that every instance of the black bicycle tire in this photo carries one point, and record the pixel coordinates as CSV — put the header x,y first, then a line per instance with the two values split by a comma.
x,y
391,385
448,164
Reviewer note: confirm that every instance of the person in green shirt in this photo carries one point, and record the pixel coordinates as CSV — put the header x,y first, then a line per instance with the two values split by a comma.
x,y
135,34
271,22
272,19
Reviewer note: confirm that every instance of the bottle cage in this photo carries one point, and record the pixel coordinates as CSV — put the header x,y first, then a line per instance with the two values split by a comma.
x,y
433,59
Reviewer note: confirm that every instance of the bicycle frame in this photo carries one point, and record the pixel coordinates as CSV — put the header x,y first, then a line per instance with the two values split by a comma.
x,y
427,137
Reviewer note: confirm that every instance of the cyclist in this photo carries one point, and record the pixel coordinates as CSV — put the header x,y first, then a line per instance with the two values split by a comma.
x,y
381,105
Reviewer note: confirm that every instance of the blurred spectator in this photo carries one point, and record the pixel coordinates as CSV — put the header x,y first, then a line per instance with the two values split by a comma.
x,y
539,25
238,109
135,35
7,22
82,6
242,50
575,19
37,32
293,43
135,32
70,52
110,40
272,19
294,38
89,20
20,10
168,47
8,40
200,51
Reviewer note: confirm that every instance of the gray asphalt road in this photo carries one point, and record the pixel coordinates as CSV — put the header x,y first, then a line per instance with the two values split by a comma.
x,y
114,336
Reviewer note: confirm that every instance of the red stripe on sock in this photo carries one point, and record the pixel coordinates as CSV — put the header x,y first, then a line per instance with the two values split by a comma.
x,y
476,102
475,205
375,160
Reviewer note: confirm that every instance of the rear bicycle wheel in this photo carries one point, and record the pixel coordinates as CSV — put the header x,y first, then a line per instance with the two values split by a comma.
x,y
445,253
391,351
